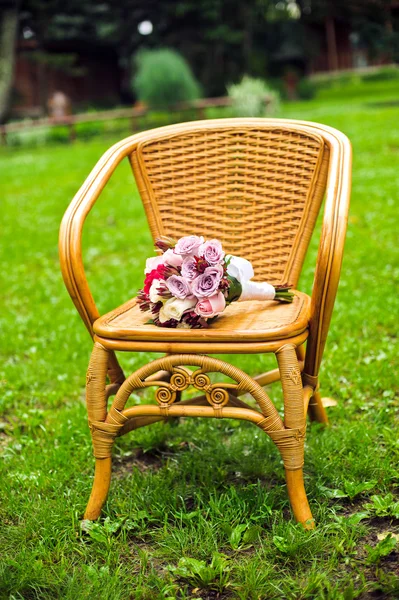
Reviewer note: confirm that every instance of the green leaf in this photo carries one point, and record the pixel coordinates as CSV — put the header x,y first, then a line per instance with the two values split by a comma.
x,y
333,493
349,592
227,529
95,531
98,536
112,526
188,516
192,565
198,573
252,534
284,296
384,506
353,488
383,548
357,517
281,544
235,289
220,561
236,534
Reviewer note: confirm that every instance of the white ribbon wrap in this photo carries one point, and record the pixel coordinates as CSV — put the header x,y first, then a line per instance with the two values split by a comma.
x,y
254,290
242,270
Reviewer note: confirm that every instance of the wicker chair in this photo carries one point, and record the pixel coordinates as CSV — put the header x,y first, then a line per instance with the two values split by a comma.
x,y
257,185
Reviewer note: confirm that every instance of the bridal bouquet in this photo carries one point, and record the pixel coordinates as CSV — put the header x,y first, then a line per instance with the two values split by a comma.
x,y
193,281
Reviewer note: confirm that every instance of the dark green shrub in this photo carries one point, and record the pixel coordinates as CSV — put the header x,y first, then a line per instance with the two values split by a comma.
x,y
383,74
355,78
164,78
89,129
306,89
58,135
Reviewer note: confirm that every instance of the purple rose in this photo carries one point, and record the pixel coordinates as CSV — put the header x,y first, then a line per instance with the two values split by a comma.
x,y
212,251
178,286
189,268
206,285
188,245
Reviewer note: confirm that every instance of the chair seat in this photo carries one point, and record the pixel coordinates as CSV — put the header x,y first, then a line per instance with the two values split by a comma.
x,y
240,322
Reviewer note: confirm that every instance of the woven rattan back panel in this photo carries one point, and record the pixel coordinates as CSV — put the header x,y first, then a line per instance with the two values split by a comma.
x,y
257,189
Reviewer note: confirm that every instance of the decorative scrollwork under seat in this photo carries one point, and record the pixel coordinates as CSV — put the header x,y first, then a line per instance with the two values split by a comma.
x,y
289,441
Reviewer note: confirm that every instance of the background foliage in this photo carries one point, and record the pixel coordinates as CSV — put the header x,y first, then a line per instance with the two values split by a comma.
x,y
253,98
221,39
163,78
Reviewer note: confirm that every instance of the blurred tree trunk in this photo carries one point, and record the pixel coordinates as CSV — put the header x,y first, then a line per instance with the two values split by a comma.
x,y
8,36
247,41
331,45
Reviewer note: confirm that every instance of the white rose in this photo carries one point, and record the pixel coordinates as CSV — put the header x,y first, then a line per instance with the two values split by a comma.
x,y
175,307
152,263
240,268
153,293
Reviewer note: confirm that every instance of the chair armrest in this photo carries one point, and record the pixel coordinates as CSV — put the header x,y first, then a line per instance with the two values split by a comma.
x,y
70,239
331,247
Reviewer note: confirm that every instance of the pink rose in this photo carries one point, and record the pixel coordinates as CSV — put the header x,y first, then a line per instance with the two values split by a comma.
x,y
168,257
188,245
172,259
212,251
178,287
206,285
189,268
212,306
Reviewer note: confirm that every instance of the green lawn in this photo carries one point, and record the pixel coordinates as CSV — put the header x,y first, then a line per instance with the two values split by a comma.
x,y
201,489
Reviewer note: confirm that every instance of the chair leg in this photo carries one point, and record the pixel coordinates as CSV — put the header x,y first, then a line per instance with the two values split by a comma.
x,y
96,399
316,410
298,499
99,492
294,419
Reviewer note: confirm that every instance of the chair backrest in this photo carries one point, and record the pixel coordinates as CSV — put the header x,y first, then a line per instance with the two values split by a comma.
x,y
257,184
257,188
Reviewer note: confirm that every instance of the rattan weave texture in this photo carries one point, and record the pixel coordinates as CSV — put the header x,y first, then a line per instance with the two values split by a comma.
x,y
251,188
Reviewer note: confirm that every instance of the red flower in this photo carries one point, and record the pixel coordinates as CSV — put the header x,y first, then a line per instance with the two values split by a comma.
x,y
158,273
202,264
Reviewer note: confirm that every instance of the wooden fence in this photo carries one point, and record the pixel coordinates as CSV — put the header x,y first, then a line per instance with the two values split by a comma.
x,y
134,114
